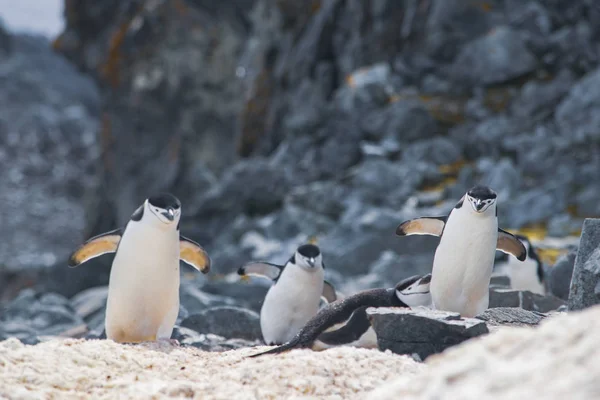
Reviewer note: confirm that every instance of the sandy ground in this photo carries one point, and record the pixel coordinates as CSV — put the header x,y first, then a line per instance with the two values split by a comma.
x,y
559,360
100,369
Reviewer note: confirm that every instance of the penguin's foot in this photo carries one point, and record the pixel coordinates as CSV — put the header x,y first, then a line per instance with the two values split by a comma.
x,y
172,342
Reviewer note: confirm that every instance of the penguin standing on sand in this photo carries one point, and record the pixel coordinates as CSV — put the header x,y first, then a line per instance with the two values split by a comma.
x,y
528,275
143,290
295,295
345,322
464,258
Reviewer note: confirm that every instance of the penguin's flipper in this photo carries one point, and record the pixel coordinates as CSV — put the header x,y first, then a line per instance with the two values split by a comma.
x,y
328,292
193,254
433,226
509,244
334,313
95,247
262,269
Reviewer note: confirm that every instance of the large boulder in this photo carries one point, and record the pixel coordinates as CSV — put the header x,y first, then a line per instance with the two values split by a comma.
x,y
421,330
585,283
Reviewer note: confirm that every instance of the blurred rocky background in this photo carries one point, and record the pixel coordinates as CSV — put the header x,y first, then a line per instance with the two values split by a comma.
x,y
281,121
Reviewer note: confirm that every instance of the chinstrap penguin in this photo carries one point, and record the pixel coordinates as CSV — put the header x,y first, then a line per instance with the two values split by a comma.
x,y
295,294
345,321
464,258
528,275
143,289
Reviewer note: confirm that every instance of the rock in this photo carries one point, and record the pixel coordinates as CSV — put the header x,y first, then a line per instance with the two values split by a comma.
x,y
389,269
451,23
495,58
195,300
541,204
576,116
249,295
421,331
510,316
587,201
524,299
229,322
563,225
500,282
31,316
538,99
438,150
404,120
209,342
351,249
585,283
326,198
90,305
48,129
559,278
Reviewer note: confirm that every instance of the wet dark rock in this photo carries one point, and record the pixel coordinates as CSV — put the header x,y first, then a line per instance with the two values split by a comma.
x,y
497,57
421,331
559,278
510,316
229,322
524,299
48,124
585,283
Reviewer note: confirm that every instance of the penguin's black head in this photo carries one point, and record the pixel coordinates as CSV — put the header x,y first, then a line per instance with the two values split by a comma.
x,y
308,256
165,206
481,198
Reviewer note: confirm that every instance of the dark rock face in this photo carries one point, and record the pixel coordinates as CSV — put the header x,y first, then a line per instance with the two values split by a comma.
x,y
585,283
229,322
421,331
275,121
48,148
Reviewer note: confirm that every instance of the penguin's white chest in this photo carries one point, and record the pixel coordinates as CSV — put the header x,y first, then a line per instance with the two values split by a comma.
x,y
290,303
523,276
143,292
463,263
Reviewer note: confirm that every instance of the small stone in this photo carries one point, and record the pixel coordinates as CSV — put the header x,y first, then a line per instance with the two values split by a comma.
x,y
586,273
421,330
502,298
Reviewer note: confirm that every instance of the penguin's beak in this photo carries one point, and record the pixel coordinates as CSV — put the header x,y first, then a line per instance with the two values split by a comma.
x,y
479,204
170,214
311,262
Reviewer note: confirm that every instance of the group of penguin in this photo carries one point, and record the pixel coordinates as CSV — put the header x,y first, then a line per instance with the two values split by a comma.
x,y
143,291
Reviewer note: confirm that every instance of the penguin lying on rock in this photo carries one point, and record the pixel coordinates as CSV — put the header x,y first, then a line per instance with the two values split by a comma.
x,y
295,295
464,258
345,321
143,289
